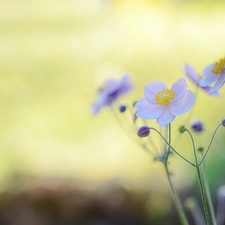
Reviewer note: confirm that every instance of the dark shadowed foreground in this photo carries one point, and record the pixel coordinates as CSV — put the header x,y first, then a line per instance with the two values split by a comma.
x,y
67,205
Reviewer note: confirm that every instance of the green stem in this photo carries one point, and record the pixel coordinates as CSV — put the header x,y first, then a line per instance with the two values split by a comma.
x,y
175,196
203,195
210,143
176,199
169,145
152,128
208,195
200,180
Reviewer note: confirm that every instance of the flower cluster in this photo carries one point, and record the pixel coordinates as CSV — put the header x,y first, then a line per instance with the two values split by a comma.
x,y
163,103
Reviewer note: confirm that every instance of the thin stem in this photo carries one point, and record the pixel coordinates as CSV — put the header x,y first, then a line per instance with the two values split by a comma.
x,y
176,199
210,143
203,196
193,145
172,147
200,181
164,145
208,195
169,145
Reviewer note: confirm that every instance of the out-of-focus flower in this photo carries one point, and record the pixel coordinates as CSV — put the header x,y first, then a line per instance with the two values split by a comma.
x,y
195,78
214,73
197,126
221,205
111,91
164,104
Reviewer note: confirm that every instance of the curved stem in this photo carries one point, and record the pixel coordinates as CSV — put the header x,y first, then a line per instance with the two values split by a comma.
x,y
193,145
172,147
210,143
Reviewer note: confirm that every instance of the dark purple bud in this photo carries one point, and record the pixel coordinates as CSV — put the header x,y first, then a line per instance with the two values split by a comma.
x,y
197,126
143,131
223,122
122,108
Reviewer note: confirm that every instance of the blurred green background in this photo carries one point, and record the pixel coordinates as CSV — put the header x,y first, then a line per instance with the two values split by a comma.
x,y
55,54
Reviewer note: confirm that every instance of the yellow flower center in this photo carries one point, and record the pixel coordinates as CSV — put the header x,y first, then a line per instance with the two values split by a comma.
x,y
164,97
219,66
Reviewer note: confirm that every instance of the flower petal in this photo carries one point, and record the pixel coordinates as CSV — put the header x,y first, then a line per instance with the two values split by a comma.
x,y
209,77
96,106
183,104
207,71
148,110
166,117
191,73
179,88
218,84
152,89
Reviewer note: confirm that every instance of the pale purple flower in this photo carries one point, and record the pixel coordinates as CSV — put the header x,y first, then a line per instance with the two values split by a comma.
x,y
214,74
164,104
111,91
195,78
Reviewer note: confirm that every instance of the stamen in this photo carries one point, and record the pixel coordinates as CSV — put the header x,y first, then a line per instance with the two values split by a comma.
x,y
219,66
164,97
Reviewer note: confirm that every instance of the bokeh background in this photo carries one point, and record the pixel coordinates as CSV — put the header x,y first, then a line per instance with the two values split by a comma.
x,y
54,56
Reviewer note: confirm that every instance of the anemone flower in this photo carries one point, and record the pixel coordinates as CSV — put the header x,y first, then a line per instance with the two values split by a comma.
x,y
111,91
195,78
214,73
164,104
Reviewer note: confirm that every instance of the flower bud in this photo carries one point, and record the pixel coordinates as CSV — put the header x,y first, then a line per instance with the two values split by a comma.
x,y
197,126
143,131
182,129
122,108
200,149
223,122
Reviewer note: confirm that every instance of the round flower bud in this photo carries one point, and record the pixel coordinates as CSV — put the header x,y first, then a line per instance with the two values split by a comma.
x,y
182,129
197,126
122,108
223,122
143,131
